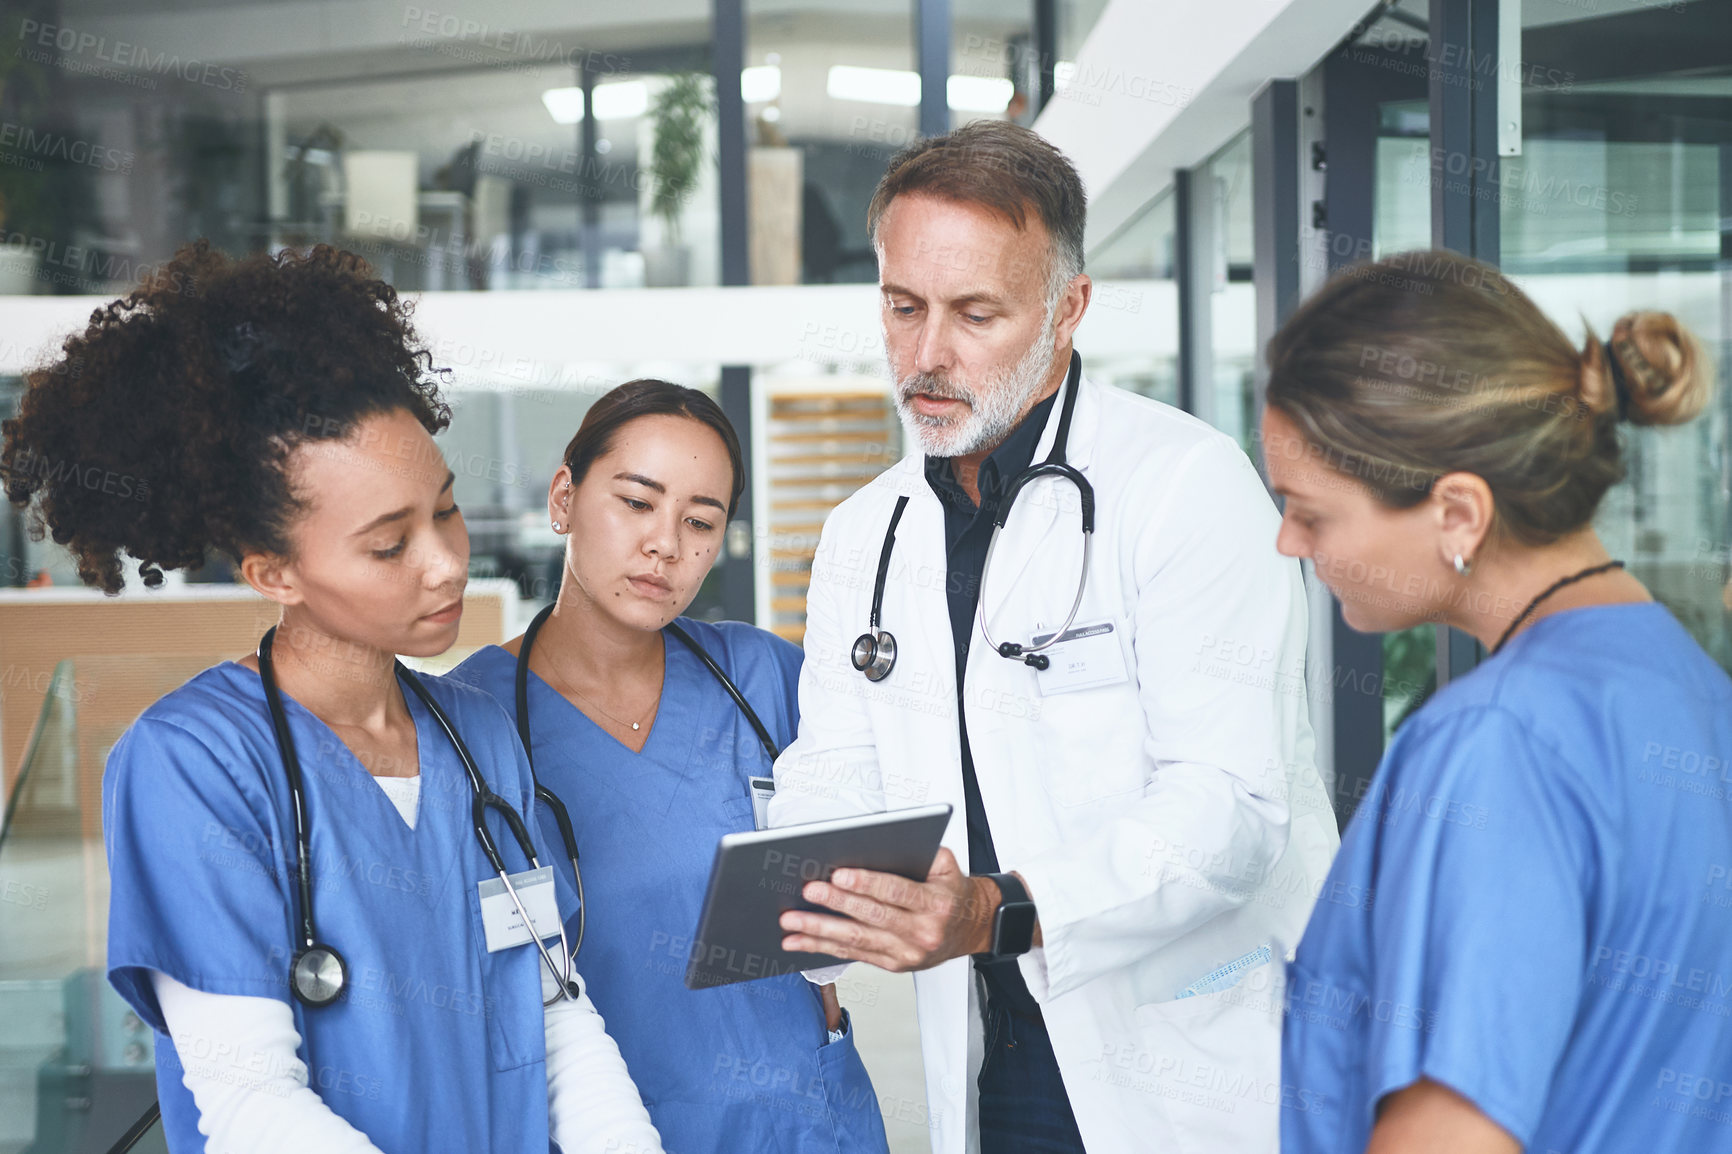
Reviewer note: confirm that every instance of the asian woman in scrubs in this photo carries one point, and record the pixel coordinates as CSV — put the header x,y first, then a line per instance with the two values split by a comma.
x,y
655,762
1521,945
280,410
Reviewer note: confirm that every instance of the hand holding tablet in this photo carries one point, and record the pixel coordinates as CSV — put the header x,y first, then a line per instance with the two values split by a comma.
x,y
759,875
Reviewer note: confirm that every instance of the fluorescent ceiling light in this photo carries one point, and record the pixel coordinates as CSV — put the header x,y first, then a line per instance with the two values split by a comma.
x,y
565,105
892,86
979,93
759,83
873,85
621,100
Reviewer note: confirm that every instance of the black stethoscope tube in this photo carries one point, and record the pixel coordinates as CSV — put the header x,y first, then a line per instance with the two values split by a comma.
x,y
547,797
318,973
874,652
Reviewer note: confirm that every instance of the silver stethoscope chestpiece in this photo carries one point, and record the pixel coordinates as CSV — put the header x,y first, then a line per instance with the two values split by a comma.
x,y
319,975
874,654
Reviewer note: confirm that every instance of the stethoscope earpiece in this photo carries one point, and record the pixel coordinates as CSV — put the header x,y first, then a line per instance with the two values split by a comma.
x,y
318,976
874,654
1010,650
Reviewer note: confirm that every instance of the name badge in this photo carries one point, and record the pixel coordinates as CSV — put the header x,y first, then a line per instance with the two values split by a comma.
x,y
763,789
1084,657
499,917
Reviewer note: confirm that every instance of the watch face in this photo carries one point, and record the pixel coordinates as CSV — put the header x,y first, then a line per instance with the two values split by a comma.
x,y
1013,929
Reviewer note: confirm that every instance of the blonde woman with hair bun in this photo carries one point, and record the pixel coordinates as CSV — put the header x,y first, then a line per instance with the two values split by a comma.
x,y
1523,943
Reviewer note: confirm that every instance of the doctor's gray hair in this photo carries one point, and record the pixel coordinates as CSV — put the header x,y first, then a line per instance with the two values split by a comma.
x,y
1005,169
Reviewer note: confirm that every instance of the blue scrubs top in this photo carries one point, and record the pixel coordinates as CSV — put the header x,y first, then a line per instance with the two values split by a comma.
x,y
1531,904
739,1067
438,1045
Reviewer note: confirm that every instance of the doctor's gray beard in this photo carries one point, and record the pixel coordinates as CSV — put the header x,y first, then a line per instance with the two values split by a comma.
x,y
993,409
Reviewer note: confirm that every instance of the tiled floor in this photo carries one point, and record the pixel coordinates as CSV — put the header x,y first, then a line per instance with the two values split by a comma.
x,y
882,1007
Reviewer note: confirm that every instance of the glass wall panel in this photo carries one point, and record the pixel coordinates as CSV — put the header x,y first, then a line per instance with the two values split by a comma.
x,y
1226,180
451,146
831,93
1133,275
1622,199
995,67
1402,204
1076,19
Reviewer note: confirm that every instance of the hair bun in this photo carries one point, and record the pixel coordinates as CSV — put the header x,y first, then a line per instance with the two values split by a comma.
x,y
1654,370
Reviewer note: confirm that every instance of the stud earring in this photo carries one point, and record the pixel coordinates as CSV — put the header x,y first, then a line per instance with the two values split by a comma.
x,y
1462,566
558,528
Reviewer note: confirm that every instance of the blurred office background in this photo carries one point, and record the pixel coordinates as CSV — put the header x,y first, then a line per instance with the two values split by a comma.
x,y
580,193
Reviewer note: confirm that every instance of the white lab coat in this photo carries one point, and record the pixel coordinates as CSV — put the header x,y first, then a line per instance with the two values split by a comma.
x,y
1165,825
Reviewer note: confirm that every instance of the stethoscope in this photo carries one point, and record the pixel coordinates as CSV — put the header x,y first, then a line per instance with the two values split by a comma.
x,y
318,973
874,652
547,796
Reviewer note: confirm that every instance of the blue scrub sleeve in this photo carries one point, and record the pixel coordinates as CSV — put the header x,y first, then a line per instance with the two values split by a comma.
x,y
1482,873
193,872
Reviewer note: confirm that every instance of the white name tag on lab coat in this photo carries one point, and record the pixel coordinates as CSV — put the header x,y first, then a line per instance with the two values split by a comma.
x,y
499,917
1084,657
763,789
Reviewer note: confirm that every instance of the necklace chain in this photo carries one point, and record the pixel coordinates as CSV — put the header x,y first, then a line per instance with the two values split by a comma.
x,y
615,718
1583,575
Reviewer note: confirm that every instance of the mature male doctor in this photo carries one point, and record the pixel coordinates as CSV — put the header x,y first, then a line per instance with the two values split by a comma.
x,y
1141,823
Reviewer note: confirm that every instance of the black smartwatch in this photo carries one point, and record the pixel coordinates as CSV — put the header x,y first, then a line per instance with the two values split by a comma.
x,y
1012,922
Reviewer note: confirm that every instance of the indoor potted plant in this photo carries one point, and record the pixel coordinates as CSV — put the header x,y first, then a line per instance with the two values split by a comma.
x,y
677,116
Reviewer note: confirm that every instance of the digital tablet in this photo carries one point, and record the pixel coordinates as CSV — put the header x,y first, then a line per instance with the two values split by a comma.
x,y
757,875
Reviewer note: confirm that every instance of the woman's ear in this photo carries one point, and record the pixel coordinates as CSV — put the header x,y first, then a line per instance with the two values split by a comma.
x,y
559,492
1465,512
272,576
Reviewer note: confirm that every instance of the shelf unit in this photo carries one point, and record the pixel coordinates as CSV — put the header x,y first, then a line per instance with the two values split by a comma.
x,y
822,440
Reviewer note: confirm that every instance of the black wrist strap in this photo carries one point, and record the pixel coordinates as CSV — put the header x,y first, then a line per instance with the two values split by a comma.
x,y
1012,939
1010,888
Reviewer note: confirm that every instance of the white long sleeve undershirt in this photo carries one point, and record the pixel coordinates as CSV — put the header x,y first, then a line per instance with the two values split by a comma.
x,y
252,1093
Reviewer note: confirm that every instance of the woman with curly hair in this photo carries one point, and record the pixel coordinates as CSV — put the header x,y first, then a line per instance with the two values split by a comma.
x,y
280,410
1514,948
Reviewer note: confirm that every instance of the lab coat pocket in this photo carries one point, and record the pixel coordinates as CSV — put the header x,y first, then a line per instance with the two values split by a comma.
x,y
509,995
1088,746
855,1118
1214,1060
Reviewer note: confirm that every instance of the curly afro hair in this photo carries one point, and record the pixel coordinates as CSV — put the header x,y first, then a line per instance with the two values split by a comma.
x,y
163,430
